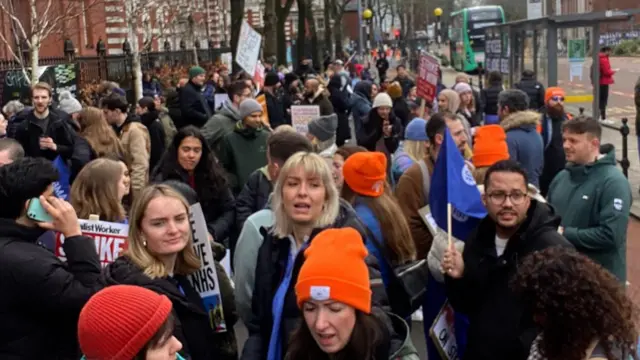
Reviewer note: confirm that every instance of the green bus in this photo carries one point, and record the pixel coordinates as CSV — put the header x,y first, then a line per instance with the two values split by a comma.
x,y
466,35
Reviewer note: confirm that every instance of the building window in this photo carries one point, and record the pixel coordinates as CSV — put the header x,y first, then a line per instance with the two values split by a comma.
x,y
320,24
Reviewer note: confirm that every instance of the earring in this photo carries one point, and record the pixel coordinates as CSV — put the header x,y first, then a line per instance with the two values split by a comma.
x,y
144,242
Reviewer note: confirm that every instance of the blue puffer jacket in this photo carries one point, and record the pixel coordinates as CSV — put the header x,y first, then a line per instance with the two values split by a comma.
x,y
360,105
525,143
368,219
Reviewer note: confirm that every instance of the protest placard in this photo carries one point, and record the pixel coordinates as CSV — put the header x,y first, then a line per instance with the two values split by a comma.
x,y
205,281
301,115
443,334
248,48
110,238
428,77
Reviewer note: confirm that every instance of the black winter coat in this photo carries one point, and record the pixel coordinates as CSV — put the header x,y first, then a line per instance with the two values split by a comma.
x,y
322,100
219,212
28,135
270,267
535,90
372,132
156,135
340,100
275,109
402,112
500,328
489,99
173,105
194,107
253,197
40,295
192,326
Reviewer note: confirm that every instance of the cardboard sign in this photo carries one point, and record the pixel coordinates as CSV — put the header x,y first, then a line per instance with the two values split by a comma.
x,y
205,280
258,77
248,48
110,238
443,333
427,81
301,115
262,100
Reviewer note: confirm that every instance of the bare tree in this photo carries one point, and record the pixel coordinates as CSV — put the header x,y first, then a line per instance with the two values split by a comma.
x,y
270,23
44,19
282,13
237,16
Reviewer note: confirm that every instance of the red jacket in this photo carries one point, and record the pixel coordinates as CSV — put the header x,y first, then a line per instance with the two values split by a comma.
x,y
606,73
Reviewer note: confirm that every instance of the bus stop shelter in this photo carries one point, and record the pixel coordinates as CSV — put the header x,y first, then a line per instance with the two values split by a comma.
x,y
559,49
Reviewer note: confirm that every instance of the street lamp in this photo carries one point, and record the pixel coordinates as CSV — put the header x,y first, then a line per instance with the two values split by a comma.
x,y
101,48
367,14
69,49
438,13
126,47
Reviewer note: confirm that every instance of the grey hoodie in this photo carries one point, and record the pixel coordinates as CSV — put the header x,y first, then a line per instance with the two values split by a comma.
x,y
219,125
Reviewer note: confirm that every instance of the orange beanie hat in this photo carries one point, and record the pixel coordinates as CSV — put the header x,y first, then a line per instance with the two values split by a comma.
x,y
365,173
490,146
334,268
551,92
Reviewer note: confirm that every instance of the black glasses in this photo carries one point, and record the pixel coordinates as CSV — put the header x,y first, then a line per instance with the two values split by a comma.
x,y
516,198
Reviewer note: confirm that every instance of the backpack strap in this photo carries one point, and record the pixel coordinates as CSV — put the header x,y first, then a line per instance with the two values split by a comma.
x,y
426,180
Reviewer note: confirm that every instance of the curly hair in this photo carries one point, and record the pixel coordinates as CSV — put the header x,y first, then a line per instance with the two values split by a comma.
x,y
575,301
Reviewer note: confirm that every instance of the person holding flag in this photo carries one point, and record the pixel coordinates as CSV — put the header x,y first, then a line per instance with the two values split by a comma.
x,y
478,279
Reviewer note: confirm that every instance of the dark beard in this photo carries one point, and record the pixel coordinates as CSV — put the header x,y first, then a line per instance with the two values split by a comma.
x,y
556,112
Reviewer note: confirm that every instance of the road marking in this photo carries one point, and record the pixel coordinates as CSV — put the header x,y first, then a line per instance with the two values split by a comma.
x,y
618,93
572,99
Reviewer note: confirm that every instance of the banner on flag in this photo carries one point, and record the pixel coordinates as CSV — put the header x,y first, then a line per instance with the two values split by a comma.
x,y
110,238
62,187
205,281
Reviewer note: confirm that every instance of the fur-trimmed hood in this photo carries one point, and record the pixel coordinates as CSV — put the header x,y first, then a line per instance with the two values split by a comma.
x,y
522,119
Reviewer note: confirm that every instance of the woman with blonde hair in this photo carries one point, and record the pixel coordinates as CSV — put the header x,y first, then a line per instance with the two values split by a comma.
x,y
160,257
95,129
366,189
413,148
305,201
99,189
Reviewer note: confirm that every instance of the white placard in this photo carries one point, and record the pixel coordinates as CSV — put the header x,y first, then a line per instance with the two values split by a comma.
x,y
443,334
301,115
205,281
248,48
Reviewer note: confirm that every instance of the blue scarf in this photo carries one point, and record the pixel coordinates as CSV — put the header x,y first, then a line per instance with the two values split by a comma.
x,y
275,343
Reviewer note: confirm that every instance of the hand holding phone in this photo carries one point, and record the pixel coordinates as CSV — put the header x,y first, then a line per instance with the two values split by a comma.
x,y
63,217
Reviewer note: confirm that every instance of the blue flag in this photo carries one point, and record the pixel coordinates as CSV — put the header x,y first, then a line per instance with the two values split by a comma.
x,y
452,183
62,187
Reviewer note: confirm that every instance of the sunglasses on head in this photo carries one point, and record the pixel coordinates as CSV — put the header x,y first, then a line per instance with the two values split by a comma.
x,y
557,98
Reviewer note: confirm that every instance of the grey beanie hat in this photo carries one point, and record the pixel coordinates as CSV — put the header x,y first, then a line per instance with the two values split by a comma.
x,y
324,127
248,107
68,104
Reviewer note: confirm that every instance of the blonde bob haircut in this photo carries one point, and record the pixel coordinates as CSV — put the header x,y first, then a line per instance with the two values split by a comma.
x,y
313,165
95,191
186,263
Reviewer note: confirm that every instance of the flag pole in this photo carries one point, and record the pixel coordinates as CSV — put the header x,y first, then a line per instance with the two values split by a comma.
x,y
449,224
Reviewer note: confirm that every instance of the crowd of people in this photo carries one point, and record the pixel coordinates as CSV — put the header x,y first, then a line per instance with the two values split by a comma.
x,y
317,224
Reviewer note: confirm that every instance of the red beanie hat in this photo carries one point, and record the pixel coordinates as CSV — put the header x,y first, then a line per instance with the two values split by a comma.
x,y
490,146
118,321
365,173
334,268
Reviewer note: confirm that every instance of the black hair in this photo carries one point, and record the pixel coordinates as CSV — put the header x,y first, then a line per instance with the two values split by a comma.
x,y
516,100
494,77
605,48
436,125
282,145
22,180
114,101
164,333
237,88
147,102
510,166
583,125
210,177
16,151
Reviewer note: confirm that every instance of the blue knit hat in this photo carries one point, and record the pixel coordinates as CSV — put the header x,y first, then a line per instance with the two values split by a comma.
x,y
416,130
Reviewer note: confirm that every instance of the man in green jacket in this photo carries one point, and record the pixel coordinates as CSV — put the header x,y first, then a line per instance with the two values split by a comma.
x,y
593,197
245,149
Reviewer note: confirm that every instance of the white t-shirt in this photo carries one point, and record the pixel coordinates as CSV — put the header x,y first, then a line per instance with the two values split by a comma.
x,y
501,244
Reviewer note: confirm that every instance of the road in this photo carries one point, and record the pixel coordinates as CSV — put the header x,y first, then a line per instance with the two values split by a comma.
x,y
621,93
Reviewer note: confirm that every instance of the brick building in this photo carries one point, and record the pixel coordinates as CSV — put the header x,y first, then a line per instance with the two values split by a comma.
x,y
93,20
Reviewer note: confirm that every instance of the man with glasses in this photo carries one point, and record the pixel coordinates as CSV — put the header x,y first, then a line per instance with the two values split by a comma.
x,y
553,116
593,197
477,280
